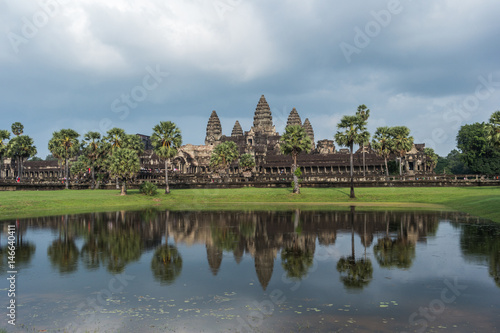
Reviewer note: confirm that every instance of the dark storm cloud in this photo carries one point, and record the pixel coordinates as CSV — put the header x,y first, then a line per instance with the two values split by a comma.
x,y
85,64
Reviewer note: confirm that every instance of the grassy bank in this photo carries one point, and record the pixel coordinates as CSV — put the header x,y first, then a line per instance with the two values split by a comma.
x,y
478,201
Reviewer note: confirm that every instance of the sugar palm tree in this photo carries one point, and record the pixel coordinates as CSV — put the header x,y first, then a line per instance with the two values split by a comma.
x,y
247,162
364,113
294,141
4,136
65,145
20,148
93,150
223,155
493,130
352,130
166,141
113,141
17,128
431,158
403,143
124,164
383,144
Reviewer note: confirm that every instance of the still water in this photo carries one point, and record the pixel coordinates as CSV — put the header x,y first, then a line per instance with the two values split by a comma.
x,y
272,271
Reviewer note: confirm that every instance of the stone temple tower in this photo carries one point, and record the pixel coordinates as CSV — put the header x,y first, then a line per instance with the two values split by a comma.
x,y
214,130
263,120
309,130
237,130
294,118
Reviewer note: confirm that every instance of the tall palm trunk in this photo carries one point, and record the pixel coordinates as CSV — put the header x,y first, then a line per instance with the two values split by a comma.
x,y
124,188
364,164
19,169
386,168
167,188
93,178
66,172
296,188
352,172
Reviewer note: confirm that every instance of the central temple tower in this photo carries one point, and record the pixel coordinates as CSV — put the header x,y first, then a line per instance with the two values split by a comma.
x,y
263,120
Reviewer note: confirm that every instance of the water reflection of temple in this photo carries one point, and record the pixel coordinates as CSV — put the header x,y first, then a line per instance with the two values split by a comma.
x,y
113,240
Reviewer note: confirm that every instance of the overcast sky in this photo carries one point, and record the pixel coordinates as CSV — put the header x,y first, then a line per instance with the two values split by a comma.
x,y
432,66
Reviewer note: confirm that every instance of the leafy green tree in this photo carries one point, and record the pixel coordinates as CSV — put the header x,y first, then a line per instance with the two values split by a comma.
x,y
113,141
493,130
21,148
17,128
124,164
80,166
383,144
166,140
134,142
456,164
118,139
93,149
431,158
403,143
477,153
351,130
4,136
364,113
247,162
294,141
223,155
65,145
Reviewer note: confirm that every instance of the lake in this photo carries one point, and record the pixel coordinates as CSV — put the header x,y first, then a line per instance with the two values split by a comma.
x,y
254,271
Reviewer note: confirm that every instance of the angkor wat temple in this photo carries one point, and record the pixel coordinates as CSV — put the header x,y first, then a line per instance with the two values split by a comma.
x,y
262,141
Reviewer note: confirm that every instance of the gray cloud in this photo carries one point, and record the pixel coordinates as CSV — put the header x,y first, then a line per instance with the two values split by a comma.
x,y
64,64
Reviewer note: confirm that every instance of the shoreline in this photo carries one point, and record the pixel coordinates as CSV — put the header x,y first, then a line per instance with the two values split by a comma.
x,y
475,201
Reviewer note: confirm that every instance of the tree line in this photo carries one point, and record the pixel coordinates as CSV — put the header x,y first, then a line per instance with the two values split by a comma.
x,y
116,155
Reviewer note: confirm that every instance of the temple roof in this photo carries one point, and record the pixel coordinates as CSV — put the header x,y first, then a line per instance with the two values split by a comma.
x,y
237,130
263,120
294,118
309,130
214,129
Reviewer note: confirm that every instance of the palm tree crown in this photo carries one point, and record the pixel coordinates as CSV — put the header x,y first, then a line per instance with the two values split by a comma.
x,y
166,140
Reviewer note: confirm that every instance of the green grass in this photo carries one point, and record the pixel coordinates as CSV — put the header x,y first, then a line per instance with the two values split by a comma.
x,y
478,201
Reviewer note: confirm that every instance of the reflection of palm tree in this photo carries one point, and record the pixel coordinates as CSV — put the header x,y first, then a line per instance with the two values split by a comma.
x,y
358,273
394,253
90,254
166,264
63,254
495,267
24,253
296,262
